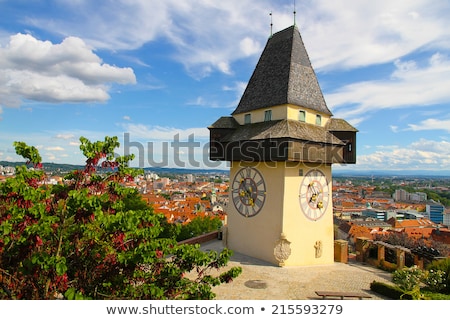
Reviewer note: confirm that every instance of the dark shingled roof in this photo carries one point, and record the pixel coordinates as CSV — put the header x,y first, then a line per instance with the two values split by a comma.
x,y
277,129
224,123
283,75
339,125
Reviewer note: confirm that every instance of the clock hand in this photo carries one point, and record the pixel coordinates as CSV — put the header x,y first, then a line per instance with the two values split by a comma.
x,y
315,193
247,193
320,205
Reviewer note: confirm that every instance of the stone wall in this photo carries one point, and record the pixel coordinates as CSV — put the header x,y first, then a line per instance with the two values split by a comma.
x,y
202,238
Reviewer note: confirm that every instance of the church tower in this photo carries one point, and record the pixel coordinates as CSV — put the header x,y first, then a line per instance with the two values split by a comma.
x,y
281,142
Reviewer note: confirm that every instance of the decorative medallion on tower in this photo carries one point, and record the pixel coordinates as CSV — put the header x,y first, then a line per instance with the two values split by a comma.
x,y
282,250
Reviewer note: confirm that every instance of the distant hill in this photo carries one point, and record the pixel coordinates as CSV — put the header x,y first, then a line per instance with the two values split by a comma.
x,y
58,167
391,173
186,171
337,172
47,166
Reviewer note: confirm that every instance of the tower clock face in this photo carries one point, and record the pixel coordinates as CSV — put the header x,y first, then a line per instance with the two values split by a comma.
x,y
314,194
248,191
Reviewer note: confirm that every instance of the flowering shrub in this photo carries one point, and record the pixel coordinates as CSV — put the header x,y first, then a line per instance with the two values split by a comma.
x,y
444,266
81,240
435,280
410,279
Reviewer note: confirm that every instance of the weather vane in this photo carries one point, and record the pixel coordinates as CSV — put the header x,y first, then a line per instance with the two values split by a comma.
x,y
294,13
271,23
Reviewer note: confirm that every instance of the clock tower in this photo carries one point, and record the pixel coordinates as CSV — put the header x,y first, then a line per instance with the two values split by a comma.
x,y
281,142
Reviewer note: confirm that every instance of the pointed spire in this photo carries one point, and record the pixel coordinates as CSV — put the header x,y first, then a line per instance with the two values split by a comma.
x,y
283,75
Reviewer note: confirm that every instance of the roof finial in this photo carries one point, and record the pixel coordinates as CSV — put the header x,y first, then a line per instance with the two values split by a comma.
x,y
294,13
271,23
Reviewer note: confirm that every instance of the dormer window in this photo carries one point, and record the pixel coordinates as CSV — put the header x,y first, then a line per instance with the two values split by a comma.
x,y
248,118
302,116
318,120
267,115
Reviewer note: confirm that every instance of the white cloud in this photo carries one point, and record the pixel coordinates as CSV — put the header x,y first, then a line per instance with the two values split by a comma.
x,y
422,154
152,133
51,157
352,33
410,85
249,46
211,35
437,147
66,72
207,35
238,86
199,101
65,136
431,124
55,148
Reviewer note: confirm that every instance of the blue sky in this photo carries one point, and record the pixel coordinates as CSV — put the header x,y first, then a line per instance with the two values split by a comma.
x,y
155,72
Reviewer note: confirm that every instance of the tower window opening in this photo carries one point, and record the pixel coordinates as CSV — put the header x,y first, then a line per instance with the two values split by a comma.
x,y
302,116
267,115
318,120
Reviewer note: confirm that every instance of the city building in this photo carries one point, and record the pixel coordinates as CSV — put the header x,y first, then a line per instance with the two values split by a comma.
x,y
403,195
435,212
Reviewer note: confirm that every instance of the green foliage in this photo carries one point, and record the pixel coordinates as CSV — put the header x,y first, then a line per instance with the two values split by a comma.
x,y
91,238
31,154
435,280
199,226
134,201
441,197
410,280
390,291
442,265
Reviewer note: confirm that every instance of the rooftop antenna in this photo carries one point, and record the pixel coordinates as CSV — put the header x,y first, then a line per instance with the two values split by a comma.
x,y
271,23
294,13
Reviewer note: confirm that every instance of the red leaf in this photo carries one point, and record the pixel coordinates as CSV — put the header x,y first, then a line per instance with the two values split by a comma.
x,y
39,241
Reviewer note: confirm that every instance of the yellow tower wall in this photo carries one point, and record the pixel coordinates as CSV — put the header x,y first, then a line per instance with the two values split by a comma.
x,y
256,236
285,111
310,242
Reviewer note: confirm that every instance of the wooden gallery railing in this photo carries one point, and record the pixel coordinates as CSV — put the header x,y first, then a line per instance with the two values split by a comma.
x,y
390,257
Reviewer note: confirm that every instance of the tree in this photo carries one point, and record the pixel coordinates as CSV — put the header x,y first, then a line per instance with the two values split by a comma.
x,y
90,239
199,226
